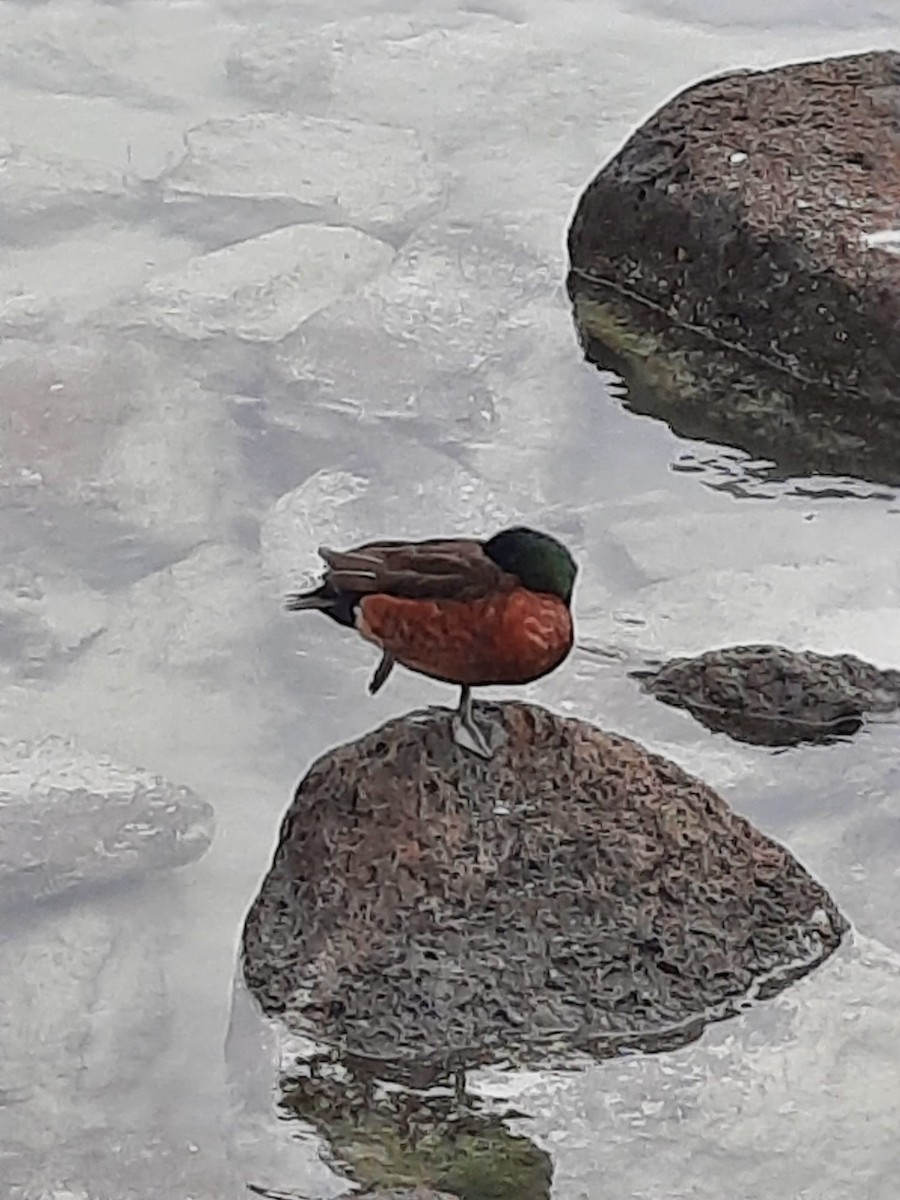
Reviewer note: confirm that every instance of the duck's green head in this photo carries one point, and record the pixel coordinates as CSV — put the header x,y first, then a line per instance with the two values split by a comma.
x,y
541,562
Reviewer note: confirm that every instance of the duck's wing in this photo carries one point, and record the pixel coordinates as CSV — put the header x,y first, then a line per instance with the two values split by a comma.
x,y
439,569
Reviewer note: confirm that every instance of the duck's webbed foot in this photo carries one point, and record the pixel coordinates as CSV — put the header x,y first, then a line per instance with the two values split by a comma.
x,y
466,732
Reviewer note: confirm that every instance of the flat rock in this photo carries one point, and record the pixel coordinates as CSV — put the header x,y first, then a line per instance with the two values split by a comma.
x,y
38,191
70,819
288,64
91,1008
67,281
171,468
453,304
263,288
375,177
46,621
458,77
575,892
773,696
761,209
73,52
61,405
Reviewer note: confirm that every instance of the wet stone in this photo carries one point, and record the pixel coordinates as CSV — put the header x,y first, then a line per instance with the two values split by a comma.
x,y
72,820
772,696
761,209
577,892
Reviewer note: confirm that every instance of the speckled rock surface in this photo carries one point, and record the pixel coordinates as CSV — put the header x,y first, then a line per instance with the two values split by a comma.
x,y
773,696
761,208
575,892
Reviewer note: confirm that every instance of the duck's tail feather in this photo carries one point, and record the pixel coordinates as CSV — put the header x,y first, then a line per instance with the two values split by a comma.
x,y
298,601
340,606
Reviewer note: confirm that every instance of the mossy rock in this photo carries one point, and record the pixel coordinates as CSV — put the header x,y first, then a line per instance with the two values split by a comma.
x,y
772,696
574,893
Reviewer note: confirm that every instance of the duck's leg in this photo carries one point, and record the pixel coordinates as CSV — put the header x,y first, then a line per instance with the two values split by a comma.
x,y
465,731
384,668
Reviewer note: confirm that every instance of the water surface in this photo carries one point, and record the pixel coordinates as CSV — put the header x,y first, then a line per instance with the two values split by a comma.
x,y
273,279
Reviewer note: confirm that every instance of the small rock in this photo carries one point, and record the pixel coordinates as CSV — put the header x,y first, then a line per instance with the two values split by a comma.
x,y
772,696
617,901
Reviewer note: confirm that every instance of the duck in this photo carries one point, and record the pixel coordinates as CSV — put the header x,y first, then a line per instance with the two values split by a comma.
x,y
465,611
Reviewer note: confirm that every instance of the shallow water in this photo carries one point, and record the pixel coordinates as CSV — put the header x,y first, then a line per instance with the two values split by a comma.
x,y
272,280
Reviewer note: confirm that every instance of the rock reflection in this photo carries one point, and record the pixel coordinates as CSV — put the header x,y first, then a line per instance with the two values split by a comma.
x,y
704,389
404,1138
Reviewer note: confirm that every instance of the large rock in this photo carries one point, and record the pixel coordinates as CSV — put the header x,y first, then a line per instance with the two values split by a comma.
x,y
773,696
761,209
577,891
712,392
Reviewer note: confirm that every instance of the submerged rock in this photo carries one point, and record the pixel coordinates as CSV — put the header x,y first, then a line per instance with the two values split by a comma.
x,y
39,191
70,819
575,892
772,696
376,178
759,208
260,289
90,1011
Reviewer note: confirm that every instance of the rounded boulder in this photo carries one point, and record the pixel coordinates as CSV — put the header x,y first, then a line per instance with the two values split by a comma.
x,y
576,892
